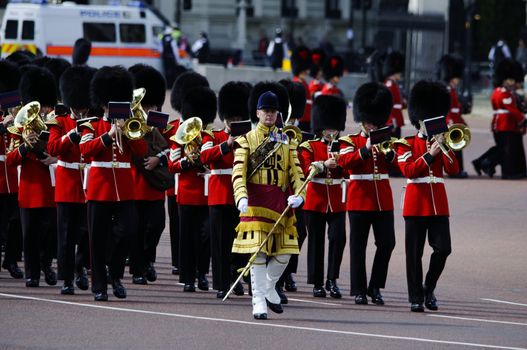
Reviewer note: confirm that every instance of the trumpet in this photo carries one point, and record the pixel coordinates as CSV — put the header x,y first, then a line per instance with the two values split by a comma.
x,y
188,135
386,146
136,128
457,137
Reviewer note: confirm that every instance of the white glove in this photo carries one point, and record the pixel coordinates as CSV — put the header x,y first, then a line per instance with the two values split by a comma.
x,y
243,205
295,201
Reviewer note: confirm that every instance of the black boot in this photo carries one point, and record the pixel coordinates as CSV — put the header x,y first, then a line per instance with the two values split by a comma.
x,y
333,289
375,295
290,284
281,294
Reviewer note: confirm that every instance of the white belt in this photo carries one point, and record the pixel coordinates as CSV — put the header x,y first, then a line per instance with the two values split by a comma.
x,y
52,169
426,180
501,111
398,106
75,166
454,110
221,171
121,165
369,177
324,181
2,158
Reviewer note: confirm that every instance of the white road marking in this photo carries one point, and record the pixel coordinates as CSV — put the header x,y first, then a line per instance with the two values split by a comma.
x,y
504,302
479,320
263,324
314,302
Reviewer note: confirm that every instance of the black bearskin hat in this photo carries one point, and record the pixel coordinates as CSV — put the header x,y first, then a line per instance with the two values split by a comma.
x,y
81,51
232,100
153,81
199,102
318,58
328,112
9,76
300,60
333,67
372,104
21,57
393,63
75,86
184,83
57,66
263,86
297,98
113,83
38,84
505,70
450,67
428,99
519,75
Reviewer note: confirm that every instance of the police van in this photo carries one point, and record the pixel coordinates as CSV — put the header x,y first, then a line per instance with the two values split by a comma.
x,y
120,34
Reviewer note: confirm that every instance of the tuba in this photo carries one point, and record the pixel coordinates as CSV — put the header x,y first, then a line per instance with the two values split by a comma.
x,y
457,137
188,135
135,128
28,119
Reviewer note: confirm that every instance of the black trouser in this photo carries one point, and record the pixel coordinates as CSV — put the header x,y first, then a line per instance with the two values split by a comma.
x,y
72,230
10,228
150,226
223,222
194,242
384,233
510,145
110,224
39,227
292,266
416,229
459,157
173,214
316,230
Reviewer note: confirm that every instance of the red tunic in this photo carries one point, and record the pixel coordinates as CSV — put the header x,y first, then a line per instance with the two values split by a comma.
x,y
396,117
8,173
368,188
219,158
168,133
425,192
307,110
454,115
35,188
110,176
324,193
330,89
70,174
507,116
314,87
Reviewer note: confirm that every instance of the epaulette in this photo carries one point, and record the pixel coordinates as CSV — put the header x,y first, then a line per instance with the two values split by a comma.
x,y
14,130
209,132
403,142
306,145
52,121
347,139
87,125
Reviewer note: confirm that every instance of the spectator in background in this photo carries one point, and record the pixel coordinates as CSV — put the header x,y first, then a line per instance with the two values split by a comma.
x,y
263,43
498,52
277,50
521,53
201,48
169,52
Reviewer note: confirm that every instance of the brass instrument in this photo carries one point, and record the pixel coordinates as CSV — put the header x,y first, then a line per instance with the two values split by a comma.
x,y
457,137
135,128
188,135
28,119
293,132
386,147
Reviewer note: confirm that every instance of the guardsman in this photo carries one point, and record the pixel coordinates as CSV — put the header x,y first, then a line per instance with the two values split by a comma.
x,y
300,64
28,150
333,70
425,207
262,183
318,58
451,73
194,242
392,69
324,202
218,155
150,201
10,230
70,196
111,211
369,198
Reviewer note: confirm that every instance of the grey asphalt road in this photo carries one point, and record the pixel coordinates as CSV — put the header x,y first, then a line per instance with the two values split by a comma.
x,y
482,294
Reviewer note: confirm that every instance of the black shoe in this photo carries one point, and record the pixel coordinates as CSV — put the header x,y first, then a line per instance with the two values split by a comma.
x,y
431,301
67,289
460,175
151,274
376,296
118,289
290,284
175,270
276,308
260,316
50,276
319,292
281,294
221,294
32,283
139,280
100,296
14,270
203,283
238,289
361,299
189,287
477,166
417,307
333,289
82,280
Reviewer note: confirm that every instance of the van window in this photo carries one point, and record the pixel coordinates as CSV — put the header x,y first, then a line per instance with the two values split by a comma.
x,y
132,33
101,32
157,31
28,30
11,29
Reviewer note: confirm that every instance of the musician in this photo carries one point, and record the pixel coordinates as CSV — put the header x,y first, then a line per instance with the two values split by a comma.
x,y
36,195
10,229
70,195
318,57
392,70
425,208
451,73
324,202
333,70
261,198
194,241
217,154
111,211
150,201
183,83
369,196
300,64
